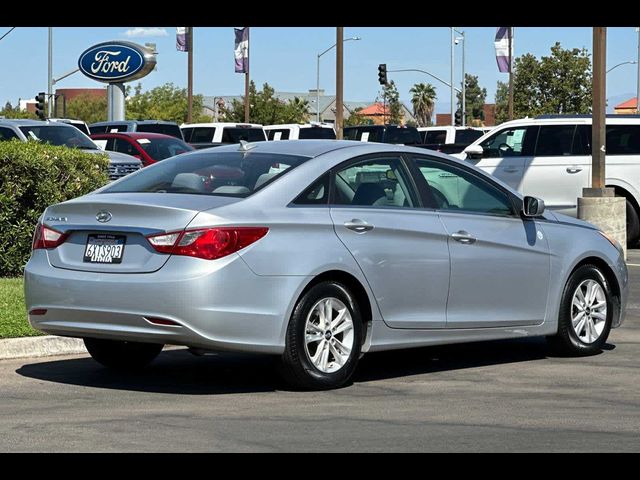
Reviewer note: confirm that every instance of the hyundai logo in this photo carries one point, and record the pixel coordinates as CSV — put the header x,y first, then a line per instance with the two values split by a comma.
x,y
103,216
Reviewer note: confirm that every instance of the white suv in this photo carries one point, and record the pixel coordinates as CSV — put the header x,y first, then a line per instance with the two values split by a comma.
x,y
305,131
206,135
550,157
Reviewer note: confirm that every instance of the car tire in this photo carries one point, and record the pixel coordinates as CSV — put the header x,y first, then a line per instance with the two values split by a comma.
x,y
633,225
582,335
318,356
119,355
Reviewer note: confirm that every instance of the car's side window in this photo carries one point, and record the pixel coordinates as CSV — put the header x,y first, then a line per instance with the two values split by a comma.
x,y
375,182
316,194
555,141
7,134
456,189
124,146
509,142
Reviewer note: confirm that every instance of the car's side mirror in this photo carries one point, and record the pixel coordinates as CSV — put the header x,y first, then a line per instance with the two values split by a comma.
x,y
474,152
532,207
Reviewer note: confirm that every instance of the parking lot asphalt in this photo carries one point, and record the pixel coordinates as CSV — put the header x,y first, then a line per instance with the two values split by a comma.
x,y
493,396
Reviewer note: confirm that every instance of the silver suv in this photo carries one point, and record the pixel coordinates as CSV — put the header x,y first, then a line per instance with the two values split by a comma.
x,y
64,134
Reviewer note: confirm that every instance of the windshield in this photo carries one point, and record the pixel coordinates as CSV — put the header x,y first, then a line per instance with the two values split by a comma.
x,y
61,135
167,129
234,174
161,148
365,134
317,132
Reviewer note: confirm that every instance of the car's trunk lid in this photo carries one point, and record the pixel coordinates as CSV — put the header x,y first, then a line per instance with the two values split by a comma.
x,y
124,217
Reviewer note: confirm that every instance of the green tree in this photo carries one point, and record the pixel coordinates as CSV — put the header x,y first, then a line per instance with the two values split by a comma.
x,y
85,107
474,99
391,96
502,102
14,112
266,108
166,102
560,83
423,100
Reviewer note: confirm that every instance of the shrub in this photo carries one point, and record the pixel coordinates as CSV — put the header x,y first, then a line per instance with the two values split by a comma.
x,y
32,177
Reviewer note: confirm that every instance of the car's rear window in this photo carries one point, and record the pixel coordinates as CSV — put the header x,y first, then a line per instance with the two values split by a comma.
x,y
317,133
235,134
467,137
407,136
235,174
173,130
198,134
367,134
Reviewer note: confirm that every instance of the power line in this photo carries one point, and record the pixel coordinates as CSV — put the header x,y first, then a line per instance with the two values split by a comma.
x,y
12,29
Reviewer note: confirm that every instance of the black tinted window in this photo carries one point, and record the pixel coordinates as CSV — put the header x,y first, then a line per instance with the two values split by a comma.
x,y
406,135
124,146
98,129
232,174
435,136
235,134
623,140
318,133
7,134
161,148
198,134
366,134
278,134
66,136
167,129
316,194
467,137
555,140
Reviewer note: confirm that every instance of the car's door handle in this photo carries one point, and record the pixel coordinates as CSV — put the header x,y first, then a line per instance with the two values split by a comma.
x,y
573,169
511,169
463,237
358,226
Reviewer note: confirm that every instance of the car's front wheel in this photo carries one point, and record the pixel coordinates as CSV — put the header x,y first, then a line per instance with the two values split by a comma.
x,y
324,338
120,355
586,312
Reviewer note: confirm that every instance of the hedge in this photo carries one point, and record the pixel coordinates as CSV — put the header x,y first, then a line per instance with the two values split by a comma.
x,y
32,177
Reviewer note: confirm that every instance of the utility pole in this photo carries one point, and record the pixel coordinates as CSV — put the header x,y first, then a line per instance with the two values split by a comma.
x,y
50,75
598,204
189,74
511,29
453,98
339,81
246,81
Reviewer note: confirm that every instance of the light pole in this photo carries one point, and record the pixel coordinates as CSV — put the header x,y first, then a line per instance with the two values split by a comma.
x,y
464,80
452,76
318,74
50,73
622,63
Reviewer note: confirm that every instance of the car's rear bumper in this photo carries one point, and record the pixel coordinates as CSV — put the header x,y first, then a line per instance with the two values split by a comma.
x,y
218,305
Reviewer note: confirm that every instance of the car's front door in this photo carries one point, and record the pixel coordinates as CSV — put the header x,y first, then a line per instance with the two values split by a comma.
x,y
400,246
505,154
500,262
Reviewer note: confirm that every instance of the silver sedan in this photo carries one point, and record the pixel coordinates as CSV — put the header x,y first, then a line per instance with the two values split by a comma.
x,y
317,251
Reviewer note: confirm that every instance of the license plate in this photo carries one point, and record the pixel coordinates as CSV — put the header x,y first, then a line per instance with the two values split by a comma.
x,y
103,248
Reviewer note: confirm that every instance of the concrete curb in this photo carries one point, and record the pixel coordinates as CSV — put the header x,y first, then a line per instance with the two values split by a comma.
x,y
30,347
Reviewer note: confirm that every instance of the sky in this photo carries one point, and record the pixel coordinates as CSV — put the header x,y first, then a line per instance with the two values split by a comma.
x,y
285,57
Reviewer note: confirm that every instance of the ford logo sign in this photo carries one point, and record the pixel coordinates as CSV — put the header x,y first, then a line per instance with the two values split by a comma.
x,y
116,62
103,216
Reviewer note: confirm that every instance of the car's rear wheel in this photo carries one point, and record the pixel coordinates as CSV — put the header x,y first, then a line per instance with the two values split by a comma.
x,y
633,224
586,312
120,355
324,338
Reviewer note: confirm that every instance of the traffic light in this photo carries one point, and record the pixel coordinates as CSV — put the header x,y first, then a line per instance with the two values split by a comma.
x,y
458,118
40,105
382,73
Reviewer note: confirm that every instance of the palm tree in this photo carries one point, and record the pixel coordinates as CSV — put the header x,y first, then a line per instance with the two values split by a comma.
x,y
423,100
300,108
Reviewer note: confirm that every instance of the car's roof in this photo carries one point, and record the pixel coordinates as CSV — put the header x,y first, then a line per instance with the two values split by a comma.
x,y
314,148
299,125
221,124
22,122
134,135
129,122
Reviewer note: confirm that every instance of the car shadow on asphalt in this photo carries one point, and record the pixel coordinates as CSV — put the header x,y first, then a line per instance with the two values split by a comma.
x,y
179,372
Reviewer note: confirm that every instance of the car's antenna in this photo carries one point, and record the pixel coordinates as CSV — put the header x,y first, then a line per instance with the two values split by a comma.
x,y
246,146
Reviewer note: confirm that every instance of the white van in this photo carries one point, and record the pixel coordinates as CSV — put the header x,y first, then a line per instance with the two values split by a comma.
x,y
550,157
205,135
304,131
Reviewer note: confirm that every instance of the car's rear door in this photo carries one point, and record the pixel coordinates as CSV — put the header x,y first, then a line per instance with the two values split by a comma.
x,y
400,246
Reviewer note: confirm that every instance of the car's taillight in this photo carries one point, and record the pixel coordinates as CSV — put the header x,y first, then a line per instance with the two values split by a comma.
x,y
207,243
47,237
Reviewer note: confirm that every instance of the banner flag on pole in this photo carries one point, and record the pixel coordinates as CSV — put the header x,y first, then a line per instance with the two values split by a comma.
x,y
503,56
241,51
181,39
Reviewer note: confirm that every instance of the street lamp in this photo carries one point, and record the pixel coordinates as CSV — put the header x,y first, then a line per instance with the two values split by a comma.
x,y
623,63
318,75
457,40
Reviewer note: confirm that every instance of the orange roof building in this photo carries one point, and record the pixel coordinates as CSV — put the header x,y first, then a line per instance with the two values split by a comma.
x,y
630,106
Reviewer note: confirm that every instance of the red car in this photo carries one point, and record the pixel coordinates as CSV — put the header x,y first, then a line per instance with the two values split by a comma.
x,y
148,147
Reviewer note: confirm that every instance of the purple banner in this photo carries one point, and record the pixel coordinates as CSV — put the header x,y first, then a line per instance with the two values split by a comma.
x,y
181,39
503,55
241,51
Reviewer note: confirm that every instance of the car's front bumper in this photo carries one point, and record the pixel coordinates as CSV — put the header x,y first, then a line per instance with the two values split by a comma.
x,y
219,305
